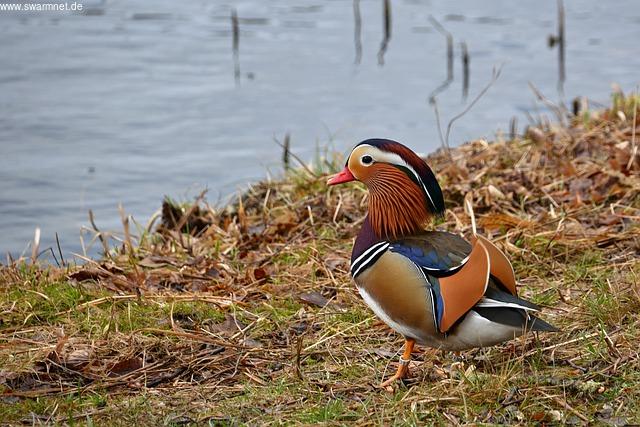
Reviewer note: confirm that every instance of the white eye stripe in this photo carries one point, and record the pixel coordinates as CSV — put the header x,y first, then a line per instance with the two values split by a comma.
x,y
395,159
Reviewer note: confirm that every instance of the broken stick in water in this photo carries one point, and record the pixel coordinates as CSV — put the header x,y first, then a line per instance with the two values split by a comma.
x,y
387,32
235,29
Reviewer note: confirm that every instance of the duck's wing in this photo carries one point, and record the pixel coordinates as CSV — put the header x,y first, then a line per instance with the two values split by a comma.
x,y
437,252
457,272
442,254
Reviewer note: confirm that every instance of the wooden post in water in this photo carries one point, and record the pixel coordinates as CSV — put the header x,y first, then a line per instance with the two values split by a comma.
x,y
513,128
387,31
286,151
235,29
449,56
561,45
579,105
357,31
560,40
576,106
387,19
465,70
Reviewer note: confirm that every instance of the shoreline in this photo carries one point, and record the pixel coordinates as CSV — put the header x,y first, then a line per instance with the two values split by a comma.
x,y
248,314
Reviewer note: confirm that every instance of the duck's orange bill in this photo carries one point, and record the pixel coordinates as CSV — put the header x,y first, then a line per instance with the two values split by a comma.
x,y
339,178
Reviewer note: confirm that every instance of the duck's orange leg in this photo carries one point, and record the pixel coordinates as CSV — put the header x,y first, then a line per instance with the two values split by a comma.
x,y
403,367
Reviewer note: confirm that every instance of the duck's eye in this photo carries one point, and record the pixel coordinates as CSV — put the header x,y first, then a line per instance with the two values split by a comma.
x,y
367,160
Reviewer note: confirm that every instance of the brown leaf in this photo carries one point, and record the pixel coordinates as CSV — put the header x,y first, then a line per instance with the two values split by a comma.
x,y
500,220
283,223
229,326
384,353
213,272
152,262
494,192
256,229
7,376
538,416
580,185
87,273
567,169
78,358
258,275
314,298
333,263
250,342
125,366
536,135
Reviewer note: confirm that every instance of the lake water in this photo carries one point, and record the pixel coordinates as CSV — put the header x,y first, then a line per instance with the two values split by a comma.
x,y
129,101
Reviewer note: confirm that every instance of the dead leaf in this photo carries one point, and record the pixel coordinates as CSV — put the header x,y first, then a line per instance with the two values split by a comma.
x,y
125,366
152,262
87,273
257,275
251,343
7,376
314,298
229,326
78,358
495,192
502,220
334,263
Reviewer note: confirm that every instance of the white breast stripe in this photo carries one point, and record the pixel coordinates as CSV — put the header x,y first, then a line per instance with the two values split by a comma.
x,y
365,253
366,262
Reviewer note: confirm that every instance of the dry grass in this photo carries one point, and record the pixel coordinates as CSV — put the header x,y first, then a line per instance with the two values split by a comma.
x,y
248,314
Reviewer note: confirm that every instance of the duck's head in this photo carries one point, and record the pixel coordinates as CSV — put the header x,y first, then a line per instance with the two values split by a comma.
x,y
403,191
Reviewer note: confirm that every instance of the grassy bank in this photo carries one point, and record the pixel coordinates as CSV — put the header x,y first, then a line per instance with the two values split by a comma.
x,y
248,314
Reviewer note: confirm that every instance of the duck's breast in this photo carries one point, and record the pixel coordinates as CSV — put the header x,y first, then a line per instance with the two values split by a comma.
x,y
398,293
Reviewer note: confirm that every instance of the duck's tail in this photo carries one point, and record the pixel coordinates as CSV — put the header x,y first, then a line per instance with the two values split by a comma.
x,y
506,309
537,324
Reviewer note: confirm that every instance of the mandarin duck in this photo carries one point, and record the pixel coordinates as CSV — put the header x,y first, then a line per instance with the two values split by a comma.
x,y
433,287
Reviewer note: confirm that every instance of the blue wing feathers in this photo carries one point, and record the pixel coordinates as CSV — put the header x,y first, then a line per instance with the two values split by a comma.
x,y
439,309
430,260
434,251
